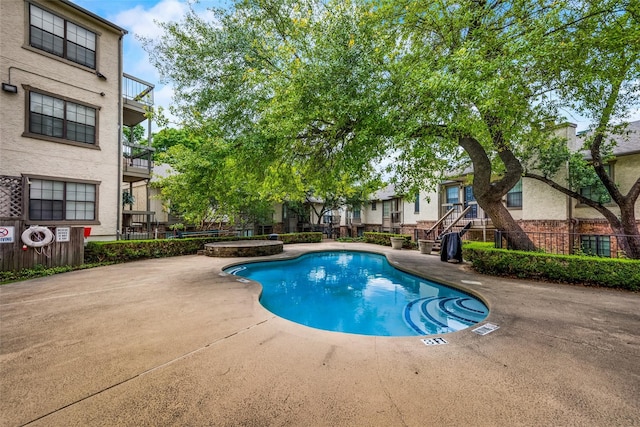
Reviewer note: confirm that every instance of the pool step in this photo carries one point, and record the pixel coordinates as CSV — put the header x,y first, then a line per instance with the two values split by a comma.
x,y
443,314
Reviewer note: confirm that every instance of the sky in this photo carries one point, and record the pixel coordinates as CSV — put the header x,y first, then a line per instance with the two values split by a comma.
x,y
140,17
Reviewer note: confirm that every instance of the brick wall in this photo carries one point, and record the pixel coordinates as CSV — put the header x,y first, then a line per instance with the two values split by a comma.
x,y
593,226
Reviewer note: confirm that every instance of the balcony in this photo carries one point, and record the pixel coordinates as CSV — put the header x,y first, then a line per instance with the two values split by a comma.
x,y
137,100
137,162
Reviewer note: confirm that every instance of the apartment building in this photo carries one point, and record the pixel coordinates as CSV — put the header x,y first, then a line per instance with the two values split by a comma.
x,y
535,205
64,103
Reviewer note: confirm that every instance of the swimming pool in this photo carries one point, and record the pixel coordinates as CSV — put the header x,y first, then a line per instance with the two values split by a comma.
x,y
360,293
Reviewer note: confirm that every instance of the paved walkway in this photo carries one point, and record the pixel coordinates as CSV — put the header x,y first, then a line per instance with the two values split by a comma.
x,y
172,342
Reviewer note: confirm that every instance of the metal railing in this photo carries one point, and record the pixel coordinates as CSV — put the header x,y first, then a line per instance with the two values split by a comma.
x,y
137,90
139,235
138,163
602,245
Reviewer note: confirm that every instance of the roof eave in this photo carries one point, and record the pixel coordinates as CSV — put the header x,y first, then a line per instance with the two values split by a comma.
x,y
94,16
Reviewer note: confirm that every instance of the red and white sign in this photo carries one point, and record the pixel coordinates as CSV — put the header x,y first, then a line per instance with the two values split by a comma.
x,y
7,234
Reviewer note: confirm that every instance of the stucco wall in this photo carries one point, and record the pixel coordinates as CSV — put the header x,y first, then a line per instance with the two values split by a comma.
x,y
370,216
428,211
626,170
541,202
20,155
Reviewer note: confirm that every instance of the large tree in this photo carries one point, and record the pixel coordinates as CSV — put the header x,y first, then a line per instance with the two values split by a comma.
x,y
493,76
465,75
598,72
287,87
313,94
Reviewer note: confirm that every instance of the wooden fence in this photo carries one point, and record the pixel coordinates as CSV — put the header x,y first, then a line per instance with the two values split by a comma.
x,y
14,257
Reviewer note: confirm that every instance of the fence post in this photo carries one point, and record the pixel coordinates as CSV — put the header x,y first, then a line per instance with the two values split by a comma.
x,y
497,239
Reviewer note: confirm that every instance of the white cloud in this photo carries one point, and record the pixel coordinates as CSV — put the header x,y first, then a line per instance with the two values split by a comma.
x,y
143,22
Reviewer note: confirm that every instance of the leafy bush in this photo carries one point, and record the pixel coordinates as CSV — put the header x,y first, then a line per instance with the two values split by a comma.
x,y
384,239
350,239
131,250
311,237
588,270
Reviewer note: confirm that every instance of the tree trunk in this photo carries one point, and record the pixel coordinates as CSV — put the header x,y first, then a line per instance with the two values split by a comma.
x,y
489,194
630,240
501,217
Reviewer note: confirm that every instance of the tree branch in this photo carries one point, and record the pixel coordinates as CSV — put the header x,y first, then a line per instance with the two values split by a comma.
x,y
596,144
610,216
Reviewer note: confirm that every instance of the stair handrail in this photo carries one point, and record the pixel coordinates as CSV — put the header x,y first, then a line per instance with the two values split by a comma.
x,y
440,221
462,214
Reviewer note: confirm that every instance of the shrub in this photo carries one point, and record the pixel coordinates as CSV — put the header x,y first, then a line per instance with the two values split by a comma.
x,y
588,270
131,250
350,239
310,237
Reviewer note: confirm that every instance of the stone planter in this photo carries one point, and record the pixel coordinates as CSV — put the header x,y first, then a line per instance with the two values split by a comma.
x,y
397,242
425,246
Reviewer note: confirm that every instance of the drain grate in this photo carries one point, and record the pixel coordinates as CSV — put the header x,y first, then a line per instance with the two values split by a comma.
x,y
434,341
485,329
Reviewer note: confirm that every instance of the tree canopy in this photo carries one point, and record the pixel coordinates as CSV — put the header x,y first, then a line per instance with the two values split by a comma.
x,y
323,94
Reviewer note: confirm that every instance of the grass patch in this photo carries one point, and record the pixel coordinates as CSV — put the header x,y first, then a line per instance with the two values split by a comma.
x,y
42,271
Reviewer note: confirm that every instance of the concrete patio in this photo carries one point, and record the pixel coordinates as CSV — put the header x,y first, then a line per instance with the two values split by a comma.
x,y
173,342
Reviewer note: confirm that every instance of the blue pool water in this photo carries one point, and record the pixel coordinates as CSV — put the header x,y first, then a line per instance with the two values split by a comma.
x,y
360,293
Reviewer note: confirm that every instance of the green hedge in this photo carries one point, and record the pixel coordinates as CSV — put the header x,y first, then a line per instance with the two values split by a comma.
x,y
384,239
311,237
588,270
131,250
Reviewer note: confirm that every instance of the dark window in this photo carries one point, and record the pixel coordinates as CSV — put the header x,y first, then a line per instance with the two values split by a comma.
x,y
373,205
514,196
55,35
61,119
597,192
596,245
416,208
453,195
59,200
469,200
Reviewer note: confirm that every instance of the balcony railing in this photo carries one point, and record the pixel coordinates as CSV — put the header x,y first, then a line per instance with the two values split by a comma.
x,y
137,90
137,100
138,163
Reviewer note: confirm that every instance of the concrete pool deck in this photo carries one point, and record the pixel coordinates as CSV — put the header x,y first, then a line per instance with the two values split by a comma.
x,y
173,342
